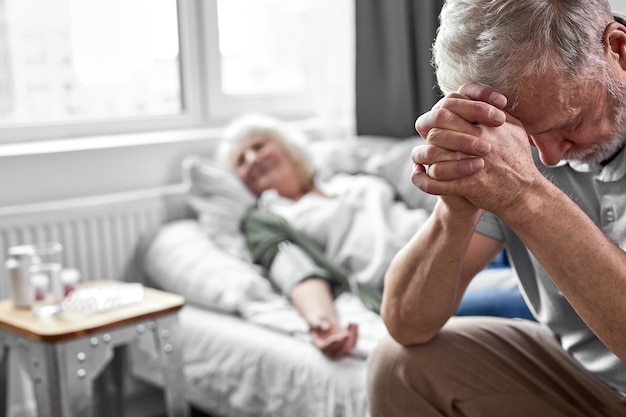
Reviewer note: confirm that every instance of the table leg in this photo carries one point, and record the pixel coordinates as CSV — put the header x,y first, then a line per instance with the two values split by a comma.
x,y
81,362
42,366
4,377
170,358
109,386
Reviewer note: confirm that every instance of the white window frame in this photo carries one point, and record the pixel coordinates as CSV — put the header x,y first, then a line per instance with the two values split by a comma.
x,y
204,104
221,106
191,112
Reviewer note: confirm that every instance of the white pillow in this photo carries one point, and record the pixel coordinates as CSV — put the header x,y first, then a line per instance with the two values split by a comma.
x,y
220,200
395,164
350,154
388,157
181,259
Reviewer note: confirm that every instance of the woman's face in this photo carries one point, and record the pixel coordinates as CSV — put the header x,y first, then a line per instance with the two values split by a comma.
x,y
262,163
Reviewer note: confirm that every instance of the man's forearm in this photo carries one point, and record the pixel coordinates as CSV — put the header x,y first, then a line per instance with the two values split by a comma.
x,y
587,267
423,284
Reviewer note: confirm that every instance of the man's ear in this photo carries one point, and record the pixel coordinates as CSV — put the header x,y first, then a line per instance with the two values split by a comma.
x,y
615,43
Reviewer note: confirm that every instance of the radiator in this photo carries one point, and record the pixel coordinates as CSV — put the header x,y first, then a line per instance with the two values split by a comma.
x,y
100,235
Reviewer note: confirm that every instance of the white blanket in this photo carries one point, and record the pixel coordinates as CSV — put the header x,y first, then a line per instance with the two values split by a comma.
x,y
280,315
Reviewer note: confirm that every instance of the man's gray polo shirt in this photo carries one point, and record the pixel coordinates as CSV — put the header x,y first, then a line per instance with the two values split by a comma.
x,y
600,191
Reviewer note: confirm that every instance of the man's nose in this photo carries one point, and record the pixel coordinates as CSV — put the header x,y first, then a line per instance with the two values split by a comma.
x,y
552,147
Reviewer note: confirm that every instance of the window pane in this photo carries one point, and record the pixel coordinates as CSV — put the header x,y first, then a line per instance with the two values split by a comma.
x,y
80,60
267,49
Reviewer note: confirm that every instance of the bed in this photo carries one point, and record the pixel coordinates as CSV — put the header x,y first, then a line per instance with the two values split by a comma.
x,y
246,351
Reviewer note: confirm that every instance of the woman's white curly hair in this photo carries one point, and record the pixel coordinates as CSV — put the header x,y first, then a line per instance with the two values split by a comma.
x,y
294,142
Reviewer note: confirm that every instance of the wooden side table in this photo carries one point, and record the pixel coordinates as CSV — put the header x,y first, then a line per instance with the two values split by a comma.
x,y
64,354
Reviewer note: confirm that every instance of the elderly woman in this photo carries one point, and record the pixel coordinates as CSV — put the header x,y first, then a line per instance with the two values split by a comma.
x,y
316,238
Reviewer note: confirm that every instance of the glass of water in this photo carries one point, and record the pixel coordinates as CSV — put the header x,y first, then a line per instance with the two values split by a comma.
x,y
45,277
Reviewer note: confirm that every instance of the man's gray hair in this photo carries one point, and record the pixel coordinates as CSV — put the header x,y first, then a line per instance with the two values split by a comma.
x,y
500,42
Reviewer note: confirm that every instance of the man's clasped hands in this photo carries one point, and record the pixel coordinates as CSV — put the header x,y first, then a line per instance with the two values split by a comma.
x,y
477,157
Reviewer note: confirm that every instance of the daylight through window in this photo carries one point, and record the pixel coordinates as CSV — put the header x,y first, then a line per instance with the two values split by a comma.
x,y
85,60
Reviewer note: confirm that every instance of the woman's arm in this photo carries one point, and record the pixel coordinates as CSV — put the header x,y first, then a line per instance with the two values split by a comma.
x,y
292,264
314,300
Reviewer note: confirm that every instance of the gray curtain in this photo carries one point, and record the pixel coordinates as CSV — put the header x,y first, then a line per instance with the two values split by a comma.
x,y
395,81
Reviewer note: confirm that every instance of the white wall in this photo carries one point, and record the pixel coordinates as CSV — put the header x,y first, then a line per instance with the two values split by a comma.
x,y
87,167
84,167
618,5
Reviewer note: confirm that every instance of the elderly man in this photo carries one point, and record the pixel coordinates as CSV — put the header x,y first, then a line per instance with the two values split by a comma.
x,y
525,151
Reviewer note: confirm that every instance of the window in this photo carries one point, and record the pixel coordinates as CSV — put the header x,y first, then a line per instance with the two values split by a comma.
x,y
261,58
88,61
80,68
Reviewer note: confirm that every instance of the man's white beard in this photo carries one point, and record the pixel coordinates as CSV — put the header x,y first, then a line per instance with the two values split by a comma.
x,y
605,151
597,153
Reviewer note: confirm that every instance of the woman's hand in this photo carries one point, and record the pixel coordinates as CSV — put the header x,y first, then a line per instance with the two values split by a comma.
x,y
330,338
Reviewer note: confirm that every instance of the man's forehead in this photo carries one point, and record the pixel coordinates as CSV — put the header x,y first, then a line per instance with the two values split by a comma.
x,y
546,104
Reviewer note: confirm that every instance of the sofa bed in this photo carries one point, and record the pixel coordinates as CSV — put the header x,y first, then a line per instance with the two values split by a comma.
x,y
246,351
